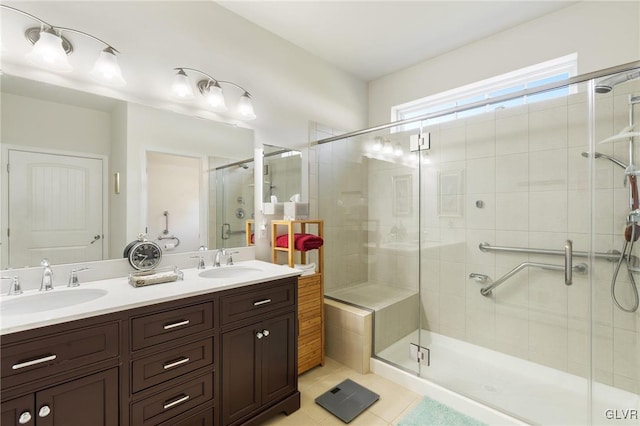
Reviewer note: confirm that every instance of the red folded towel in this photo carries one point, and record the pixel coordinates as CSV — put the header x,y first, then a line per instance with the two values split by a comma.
x,y
302,242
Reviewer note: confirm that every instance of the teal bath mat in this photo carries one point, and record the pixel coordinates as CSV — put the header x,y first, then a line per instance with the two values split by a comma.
x,y
431,413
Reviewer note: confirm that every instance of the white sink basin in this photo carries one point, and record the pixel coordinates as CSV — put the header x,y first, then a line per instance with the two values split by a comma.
x,y
234,271
48,300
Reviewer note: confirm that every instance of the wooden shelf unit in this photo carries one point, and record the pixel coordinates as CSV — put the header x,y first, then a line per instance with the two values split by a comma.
x,y
248,228
310,291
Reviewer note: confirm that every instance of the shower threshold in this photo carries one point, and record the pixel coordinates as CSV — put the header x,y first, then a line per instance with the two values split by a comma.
x,y
518,387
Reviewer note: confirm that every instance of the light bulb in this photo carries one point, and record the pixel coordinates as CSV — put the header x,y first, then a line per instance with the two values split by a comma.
x,y
106,69
388,148
215,97
48,52
245,107
181,87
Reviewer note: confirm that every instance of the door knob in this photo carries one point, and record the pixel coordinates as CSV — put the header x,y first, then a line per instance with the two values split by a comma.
x,y
95,238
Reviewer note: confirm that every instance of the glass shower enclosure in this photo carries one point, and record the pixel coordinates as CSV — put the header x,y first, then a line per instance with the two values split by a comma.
x,y
495,244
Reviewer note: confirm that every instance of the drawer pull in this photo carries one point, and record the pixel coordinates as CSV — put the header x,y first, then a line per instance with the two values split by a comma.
x,y
175,402
261,302
176,324
176,363
33,362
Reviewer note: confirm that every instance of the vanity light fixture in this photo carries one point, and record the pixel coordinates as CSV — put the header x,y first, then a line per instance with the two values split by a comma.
x,y
51,48
212,91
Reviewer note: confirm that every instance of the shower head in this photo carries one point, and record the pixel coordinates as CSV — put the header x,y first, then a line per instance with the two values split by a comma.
x,y
613,160
606,85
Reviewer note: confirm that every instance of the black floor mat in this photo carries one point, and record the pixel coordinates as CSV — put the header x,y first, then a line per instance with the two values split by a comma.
x,y
347,400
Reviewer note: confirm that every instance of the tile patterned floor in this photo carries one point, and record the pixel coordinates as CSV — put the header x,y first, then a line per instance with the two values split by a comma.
x,y
395,401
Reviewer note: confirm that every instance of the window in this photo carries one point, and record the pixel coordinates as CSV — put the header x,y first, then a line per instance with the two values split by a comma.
x,y
525,78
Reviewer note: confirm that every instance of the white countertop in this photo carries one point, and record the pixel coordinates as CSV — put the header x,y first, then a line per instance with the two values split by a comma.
x,y
120,295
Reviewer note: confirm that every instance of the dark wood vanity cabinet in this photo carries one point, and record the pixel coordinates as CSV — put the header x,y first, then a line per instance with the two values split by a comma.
x,y
259,352
90,400
64,376
259,371
223,358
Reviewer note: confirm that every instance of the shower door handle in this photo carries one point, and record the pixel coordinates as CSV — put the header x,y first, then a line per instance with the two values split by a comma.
x,y
568,262
226,231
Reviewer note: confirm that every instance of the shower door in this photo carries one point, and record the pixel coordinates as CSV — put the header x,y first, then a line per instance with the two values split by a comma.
x,y
506,197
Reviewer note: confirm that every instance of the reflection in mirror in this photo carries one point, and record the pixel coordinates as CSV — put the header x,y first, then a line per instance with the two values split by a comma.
x,y
174,200
282,178
89,173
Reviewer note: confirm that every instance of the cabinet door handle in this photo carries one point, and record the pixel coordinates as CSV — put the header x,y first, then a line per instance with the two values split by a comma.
x,y
259,335
25,417
261,302
265,332
176,324
175,402
176,363
44,411
33,362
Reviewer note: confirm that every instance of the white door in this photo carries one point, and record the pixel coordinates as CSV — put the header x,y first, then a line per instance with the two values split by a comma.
x,y
173,201
55,208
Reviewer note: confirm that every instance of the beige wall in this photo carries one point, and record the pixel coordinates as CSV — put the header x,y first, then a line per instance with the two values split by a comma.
x,y
603,33
51,125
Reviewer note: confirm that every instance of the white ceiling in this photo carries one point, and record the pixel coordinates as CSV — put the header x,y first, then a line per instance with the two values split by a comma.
x,y
373,38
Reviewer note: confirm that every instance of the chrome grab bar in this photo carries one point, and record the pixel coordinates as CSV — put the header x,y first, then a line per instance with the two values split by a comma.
x,y
487,291
613,255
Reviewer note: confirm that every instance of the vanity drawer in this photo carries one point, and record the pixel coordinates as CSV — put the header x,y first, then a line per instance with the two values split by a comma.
x,y
43,357
164,326
169,403
258,301
170,364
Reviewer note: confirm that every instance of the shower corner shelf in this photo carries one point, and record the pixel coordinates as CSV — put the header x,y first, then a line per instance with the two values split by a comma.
x,y
310,292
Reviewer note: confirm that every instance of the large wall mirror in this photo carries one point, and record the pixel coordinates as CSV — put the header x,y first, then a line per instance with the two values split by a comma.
x,y
83,175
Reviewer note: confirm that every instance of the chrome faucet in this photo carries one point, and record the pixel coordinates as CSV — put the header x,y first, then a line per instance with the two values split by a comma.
x,y
47,276
200,261
73,277
216,259
15,285
230,256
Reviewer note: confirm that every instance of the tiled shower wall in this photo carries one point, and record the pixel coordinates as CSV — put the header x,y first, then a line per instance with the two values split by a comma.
x,y
522,182
339,194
